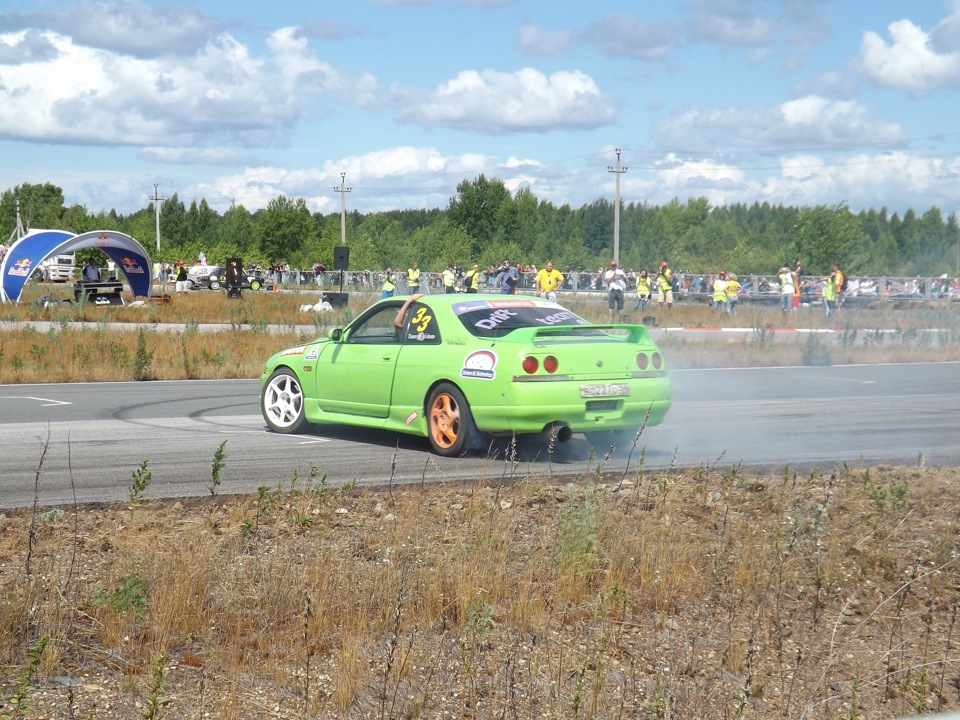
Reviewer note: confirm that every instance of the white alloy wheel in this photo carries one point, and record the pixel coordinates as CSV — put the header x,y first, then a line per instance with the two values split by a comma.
x,y
281,402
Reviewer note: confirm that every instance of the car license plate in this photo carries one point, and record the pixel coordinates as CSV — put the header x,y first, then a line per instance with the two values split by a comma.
x,y
609,390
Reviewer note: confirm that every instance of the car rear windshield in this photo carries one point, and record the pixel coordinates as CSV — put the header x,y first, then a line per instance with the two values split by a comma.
x,y
495,318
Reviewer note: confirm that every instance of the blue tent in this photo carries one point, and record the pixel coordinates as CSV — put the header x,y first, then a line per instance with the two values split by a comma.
x,y
25,256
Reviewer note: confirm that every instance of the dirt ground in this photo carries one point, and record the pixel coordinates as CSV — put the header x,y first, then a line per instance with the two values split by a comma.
x,y
691,593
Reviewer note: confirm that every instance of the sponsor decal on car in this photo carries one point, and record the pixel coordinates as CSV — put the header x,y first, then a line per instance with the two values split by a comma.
x,y
294,351
465,307
313,354
558,318
479,365
495,318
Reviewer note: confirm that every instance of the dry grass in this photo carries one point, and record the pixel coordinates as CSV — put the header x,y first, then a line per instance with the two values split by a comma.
x,y
656,594
99,349
678,593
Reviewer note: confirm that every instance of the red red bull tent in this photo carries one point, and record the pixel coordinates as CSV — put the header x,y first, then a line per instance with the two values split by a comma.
x,y
25,256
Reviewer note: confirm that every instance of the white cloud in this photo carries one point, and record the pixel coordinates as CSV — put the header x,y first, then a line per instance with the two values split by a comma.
x,y
220,93
543,43
811,121
909,62
625,36
492,102
731,24
380,180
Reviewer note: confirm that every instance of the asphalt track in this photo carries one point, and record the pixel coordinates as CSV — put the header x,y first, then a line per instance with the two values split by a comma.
x,y
84,440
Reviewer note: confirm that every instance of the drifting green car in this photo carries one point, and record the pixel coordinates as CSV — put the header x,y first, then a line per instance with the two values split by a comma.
x,y
454,368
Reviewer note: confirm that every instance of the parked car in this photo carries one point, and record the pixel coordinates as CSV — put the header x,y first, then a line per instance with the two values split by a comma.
x,y
453,368
215,276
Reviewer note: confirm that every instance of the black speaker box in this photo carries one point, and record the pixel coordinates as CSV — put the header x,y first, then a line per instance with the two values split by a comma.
x,y
341,257
336,299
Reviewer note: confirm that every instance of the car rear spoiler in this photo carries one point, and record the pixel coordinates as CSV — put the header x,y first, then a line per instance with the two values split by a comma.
x,y
629,333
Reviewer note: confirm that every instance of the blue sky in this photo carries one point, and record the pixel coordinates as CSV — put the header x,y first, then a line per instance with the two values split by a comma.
x,y
799,102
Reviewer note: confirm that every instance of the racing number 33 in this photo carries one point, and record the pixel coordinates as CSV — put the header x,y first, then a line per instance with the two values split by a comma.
x,y
421,320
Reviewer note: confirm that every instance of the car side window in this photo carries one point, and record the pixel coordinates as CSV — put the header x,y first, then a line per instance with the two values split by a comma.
x,y
420,326
377,329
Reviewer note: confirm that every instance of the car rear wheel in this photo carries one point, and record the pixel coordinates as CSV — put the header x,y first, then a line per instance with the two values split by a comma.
x,y
449,422
214,284
281,402
254,284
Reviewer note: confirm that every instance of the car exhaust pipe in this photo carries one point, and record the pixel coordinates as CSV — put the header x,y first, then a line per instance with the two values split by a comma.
x,y
560,432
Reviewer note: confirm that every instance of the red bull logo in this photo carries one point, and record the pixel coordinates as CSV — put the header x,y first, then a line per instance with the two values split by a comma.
x,y
131,266
102,240
21,268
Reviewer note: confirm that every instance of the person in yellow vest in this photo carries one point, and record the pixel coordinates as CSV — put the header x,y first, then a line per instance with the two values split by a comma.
x,y
413,278
449,280
719,293
733,293
785,277
665,286
829,294
643,291
471,279
547,282
839,281
388,287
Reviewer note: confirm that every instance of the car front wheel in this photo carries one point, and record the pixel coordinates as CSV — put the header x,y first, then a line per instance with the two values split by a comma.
x,y
449,422
281,402
255,285
214,284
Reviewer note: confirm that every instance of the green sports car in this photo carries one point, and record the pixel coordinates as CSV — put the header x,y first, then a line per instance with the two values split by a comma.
x,y
454,368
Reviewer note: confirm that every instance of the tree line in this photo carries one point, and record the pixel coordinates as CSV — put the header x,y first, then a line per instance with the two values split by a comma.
x,y
485,223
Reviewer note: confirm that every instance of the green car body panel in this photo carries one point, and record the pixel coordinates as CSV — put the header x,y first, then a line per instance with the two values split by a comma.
x,y
522,365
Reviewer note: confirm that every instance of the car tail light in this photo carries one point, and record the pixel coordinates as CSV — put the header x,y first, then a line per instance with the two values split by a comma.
x,y
642,361
657,361
530,365
550,364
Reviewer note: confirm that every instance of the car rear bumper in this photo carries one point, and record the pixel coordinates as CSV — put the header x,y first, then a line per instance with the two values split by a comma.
x,y
531,407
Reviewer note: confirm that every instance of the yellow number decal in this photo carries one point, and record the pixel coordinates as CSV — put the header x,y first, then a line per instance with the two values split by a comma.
x,y
422,318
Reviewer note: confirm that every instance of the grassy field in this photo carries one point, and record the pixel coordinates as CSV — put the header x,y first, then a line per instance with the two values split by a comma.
x,y
84,343
707,592
685,593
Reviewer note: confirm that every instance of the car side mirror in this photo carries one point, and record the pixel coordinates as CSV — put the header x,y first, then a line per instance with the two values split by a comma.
x,y
335,334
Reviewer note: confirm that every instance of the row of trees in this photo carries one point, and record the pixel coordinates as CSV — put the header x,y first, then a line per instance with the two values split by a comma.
x,y
485,223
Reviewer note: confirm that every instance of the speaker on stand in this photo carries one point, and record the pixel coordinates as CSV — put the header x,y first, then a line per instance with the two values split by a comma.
x,y
341,261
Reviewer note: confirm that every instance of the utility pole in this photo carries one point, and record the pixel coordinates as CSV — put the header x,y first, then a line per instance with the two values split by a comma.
x,y
157,197
343,190
18,231
616,209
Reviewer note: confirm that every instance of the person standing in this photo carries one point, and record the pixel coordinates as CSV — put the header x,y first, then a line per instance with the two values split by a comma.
x,y
181,278
508,279
413,278
733,293
839,282
616,280
643,291
547,281
665,286
719,292
786,289
471,279
91,273
449,280
829,294
388,287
